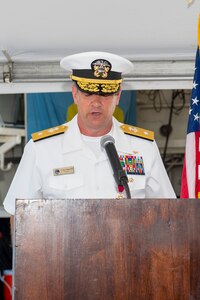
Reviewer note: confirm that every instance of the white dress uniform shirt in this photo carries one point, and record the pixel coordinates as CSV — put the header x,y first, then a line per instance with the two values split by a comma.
x,y
89,175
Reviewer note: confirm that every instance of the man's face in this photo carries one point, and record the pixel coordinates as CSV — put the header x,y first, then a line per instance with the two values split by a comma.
x,y
94,112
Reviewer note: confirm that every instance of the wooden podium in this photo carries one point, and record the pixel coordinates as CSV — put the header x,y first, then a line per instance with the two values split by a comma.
x,y
107,249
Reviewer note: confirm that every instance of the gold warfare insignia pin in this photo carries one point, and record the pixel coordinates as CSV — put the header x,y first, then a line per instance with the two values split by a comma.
x,y
63,171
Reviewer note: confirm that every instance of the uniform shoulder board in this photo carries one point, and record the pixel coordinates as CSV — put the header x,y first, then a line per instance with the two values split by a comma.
x,y
40,135
139,132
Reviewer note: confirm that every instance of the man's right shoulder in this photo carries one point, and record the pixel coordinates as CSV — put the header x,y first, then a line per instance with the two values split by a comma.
x,y
47,133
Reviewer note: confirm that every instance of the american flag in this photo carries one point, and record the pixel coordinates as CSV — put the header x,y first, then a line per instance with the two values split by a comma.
x,y
190,186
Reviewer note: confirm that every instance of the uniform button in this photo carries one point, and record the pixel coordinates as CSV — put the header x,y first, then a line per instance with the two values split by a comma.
x,y
130,179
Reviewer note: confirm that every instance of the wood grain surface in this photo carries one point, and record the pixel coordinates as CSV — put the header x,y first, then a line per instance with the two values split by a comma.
x,y
107,249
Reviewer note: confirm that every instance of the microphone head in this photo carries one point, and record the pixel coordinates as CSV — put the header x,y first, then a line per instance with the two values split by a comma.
x,y
106,139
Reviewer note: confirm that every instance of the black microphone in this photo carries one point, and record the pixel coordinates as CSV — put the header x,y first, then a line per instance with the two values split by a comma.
x,y
108,143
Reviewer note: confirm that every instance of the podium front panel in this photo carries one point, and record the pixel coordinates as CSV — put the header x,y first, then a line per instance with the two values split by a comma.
x,y
107,249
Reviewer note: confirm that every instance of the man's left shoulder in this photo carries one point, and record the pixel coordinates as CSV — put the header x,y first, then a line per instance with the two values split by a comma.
x,y
137,132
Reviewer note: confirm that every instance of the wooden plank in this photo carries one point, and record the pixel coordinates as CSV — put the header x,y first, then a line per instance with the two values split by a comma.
x,y
107,249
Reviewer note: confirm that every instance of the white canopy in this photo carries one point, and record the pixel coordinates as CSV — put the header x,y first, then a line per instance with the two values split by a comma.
x,y
160,37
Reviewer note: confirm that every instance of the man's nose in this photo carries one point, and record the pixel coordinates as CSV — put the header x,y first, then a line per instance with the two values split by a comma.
x,y
97,100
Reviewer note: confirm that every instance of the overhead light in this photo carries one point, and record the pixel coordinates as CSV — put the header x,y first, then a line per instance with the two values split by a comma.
x,y
190,2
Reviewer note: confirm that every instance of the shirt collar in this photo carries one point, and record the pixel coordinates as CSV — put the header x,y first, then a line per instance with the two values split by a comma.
x,y
72,137
122,143
72,140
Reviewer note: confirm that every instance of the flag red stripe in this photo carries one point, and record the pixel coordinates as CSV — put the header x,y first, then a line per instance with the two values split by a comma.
x,y
184,186
197,182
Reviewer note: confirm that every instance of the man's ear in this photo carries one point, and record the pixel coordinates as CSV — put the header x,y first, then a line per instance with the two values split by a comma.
x,y
74,93
118,96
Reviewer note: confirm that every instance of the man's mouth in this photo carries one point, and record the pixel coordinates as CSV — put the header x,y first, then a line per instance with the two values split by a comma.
x,y
96,113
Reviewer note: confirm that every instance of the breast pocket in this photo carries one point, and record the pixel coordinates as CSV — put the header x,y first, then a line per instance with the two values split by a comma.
x,y
137,185
64,186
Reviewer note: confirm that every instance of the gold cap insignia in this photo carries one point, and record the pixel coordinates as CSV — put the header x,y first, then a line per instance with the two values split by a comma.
x,y
101,68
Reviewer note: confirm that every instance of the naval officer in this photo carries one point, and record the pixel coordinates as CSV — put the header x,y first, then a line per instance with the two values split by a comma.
x,y
68,161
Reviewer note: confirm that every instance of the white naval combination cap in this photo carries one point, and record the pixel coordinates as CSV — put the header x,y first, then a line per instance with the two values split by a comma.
x,y
97,72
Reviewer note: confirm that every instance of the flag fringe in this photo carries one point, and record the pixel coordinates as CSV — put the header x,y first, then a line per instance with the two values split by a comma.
x,y
199,32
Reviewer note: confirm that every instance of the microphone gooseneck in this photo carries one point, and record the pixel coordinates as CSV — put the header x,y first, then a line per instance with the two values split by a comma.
x,y
108,143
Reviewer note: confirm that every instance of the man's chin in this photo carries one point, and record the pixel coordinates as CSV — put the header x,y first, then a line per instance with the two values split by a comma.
x,y
96,119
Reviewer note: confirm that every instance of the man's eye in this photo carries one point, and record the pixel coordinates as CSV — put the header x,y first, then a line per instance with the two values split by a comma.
x,y
87,94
